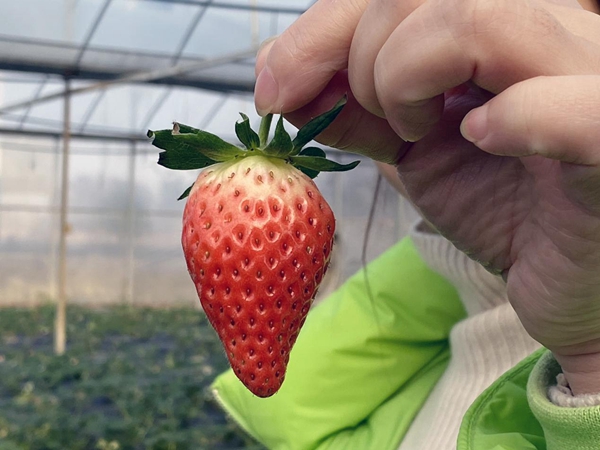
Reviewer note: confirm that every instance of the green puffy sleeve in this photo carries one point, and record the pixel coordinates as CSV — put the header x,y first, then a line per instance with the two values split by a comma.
x,y
362,366
564,428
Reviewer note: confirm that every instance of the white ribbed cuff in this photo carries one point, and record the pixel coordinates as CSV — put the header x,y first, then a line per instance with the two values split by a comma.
x,y
561,395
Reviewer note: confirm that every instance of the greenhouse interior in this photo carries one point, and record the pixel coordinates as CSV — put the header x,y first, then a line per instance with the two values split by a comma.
x,y
103,344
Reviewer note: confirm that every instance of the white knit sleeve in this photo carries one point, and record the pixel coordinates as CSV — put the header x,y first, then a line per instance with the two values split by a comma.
x,y
561,395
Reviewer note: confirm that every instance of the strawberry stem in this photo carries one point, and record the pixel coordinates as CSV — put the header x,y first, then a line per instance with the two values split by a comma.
x,y
263,131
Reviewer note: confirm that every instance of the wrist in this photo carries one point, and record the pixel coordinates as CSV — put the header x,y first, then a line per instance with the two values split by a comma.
x,y
582,372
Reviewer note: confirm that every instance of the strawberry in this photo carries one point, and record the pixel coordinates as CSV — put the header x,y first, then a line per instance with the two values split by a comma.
x,y
257,237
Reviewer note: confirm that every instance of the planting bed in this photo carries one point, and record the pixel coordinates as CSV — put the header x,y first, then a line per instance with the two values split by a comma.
x,y
132,378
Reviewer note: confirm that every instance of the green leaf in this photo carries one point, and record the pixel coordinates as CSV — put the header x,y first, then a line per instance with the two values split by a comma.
x,y
186,193
264,129
312,174
208,144
313,151
315,126
185,128
178,155
281,144
246,134
321,164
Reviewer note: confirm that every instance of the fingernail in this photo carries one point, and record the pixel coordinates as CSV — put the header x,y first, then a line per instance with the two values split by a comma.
x,y
266,92
474,126
264,43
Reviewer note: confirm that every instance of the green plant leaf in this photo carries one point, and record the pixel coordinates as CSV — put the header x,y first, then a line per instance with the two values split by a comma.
x,y
281,144
312,174
321,164
264,129
246,134
208,144
178,155
313,151
185,128
186,192
316,125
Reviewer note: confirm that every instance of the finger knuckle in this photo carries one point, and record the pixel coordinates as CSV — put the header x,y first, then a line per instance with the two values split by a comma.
x,y
478,22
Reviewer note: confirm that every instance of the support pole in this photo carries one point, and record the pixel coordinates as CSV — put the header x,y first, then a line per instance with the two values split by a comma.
x,y
129,293
1,188
60,324
255,26
53,291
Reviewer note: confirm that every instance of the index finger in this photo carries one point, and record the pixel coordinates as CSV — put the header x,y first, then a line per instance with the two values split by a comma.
x,y
302,60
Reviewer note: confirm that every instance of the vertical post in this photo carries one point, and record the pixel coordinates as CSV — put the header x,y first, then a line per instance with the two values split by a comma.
x,y
53,276
1,195
255,26
129,293
60,324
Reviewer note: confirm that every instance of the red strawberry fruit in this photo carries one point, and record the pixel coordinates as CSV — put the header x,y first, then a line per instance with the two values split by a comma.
x,y
257,237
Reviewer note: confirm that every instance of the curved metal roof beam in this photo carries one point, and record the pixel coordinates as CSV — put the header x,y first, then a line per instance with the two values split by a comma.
x,y
140,77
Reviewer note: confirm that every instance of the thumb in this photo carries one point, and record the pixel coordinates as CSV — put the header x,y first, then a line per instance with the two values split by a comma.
x,y
554,117
300,62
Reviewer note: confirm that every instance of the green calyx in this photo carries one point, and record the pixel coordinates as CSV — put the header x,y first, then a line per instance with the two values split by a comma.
x,y
187,148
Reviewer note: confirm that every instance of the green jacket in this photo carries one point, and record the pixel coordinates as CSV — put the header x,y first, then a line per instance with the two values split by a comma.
x,y
368,357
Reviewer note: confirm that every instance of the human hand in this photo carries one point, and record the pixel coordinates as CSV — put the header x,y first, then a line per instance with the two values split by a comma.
x,y
528,205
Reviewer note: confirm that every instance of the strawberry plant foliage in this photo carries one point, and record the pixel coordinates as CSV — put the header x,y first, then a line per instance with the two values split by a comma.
x,y
257,236
187,148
